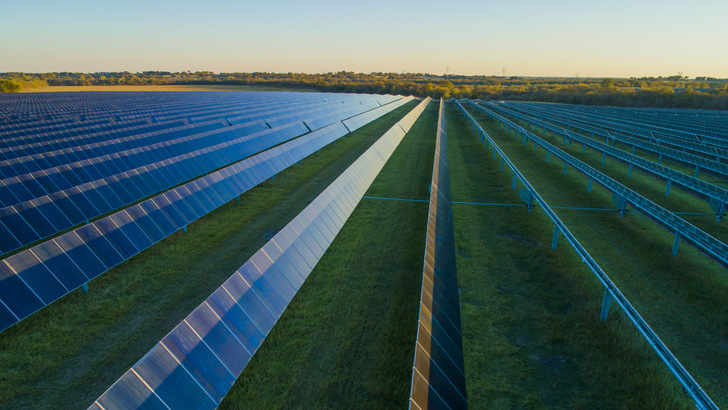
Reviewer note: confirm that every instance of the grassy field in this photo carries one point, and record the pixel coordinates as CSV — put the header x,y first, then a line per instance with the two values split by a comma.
x,y
682,298
69,88
66,355
347,339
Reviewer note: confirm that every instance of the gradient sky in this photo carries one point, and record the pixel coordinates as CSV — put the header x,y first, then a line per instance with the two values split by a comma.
x,y
616,38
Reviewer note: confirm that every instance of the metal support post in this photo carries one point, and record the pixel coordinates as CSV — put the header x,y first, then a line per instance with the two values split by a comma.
x,y
667,190
503,163
659,159
583,148
84,287
605,306
555,240
513,186
184,229
604,156
676,245
697,171
566,165
629,173
719,214
547,156
535,146
238,198
588,189
633,148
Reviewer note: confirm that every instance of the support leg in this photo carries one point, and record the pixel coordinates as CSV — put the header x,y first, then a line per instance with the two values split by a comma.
x,y
555,240
605,306
84,287
676,245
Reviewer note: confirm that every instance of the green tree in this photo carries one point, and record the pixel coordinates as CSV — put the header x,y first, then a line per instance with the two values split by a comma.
x,y
9,86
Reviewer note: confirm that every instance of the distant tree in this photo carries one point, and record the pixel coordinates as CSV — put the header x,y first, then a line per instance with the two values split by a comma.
x,y
607,83
9,86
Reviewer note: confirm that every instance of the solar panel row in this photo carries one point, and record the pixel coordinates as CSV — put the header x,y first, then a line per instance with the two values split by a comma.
x,y
438,373
34,278
196,364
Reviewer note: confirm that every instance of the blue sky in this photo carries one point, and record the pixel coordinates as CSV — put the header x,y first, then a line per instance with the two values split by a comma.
x,y
617,38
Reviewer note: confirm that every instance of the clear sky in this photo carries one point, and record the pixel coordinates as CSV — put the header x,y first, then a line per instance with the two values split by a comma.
x,y
617,38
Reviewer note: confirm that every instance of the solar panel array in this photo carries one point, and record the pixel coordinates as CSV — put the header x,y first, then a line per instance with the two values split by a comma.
x,y
680,151
40,275
438,373
703,189
63,180
683,230
703,133
701,398
196,364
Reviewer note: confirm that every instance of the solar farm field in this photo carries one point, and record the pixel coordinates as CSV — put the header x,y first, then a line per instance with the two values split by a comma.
x,y
311,250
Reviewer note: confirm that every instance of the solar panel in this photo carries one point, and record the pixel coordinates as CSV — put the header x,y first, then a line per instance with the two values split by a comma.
x,y
438,372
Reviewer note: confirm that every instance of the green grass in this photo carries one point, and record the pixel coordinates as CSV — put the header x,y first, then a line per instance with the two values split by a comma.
x,y
69,353
682,298
347,339
531,334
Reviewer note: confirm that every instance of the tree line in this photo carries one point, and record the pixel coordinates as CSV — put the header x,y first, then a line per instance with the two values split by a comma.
x,y
674,91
